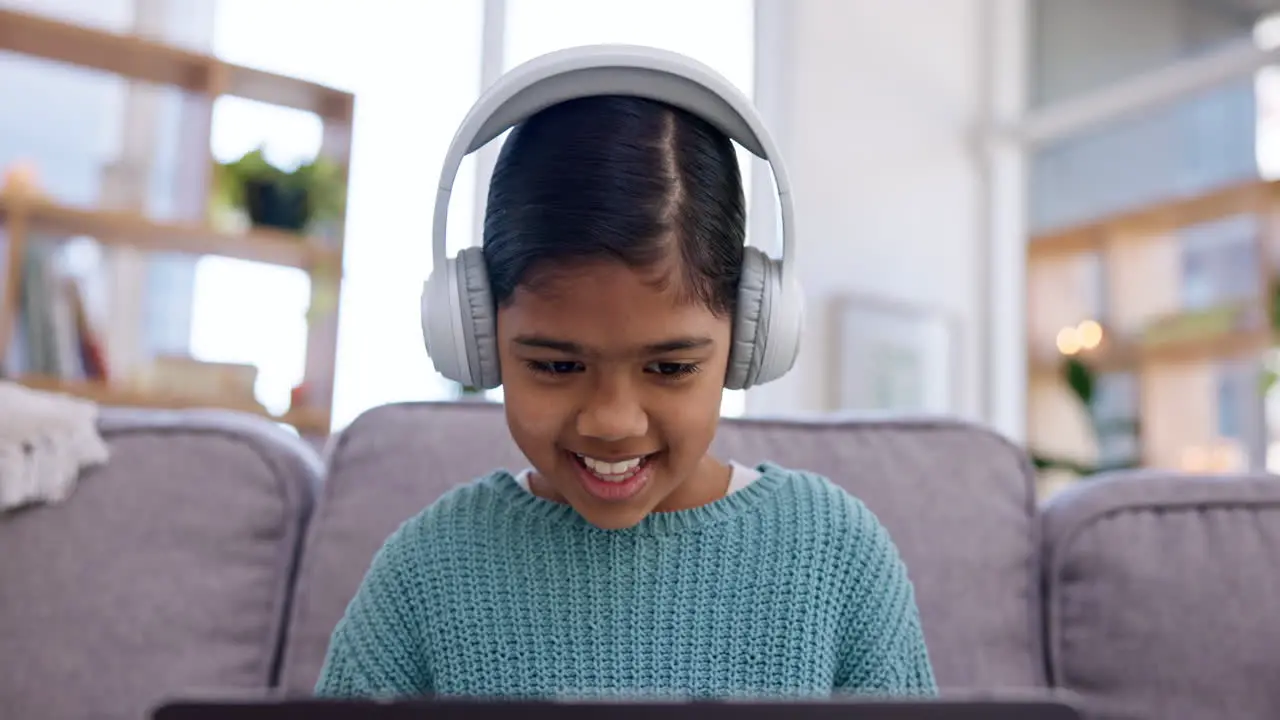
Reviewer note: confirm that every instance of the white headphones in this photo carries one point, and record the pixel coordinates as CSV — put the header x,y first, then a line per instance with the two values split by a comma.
x,y
458,313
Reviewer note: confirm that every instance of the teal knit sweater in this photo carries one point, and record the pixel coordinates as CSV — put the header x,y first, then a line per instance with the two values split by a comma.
x,y
789,587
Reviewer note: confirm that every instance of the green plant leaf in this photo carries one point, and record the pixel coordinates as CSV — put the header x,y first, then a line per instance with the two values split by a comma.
x,y
1267,380
1080,378
321,181
1275,305
1044,462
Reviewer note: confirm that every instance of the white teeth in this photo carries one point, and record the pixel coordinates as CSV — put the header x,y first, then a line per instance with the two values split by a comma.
x,y
612,472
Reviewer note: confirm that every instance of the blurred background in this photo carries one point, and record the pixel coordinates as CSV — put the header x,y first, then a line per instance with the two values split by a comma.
x,y
1053,217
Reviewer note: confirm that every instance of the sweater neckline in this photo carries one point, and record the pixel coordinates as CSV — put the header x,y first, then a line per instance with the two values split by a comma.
x,y
730,506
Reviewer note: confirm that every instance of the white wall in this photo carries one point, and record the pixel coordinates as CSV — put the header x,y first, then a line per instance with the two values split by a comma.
x,y
875,105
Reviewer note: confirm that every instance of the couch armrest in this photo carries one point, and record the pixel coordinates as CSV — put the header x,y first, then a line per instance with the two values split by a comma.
x,y
1162,593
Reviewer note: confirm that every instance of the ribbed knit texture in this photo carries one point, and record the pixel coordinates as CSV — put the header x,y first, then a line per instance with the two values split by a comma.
x,y
787,588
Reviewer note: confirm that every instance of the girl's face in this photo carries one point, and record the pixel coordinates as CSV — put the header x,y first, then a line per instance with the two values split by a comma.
x,y
612,383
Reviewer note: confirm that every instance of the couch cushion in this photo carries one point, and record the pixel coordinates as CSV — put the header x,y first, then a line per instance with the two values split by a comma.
x,y
167,570
957,500
1162,594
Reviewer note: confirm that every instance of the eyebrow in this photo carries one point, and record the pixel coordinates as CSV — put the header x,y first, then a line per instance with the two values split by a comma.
x,y
572,348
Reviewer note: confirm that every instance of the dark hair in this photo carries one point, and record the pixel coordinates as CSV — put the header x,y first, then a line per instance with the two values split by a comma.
x,y
617,178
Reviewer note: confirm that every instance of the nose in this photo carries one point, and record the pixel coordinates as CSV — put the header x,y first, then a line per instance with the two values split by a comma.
x,y
612,412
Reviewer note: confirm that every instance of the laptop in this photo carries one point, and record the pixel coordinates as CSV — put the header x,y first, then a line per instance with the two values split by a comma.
x,y
314,709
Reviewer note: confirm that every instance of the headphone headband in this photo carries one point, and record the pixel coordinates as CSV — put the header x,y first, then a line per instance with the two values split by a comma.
x,y
631,70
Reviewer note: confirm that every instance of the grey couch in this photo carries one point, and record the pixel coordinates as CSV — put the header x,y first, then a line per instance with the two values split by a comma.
x,y
215,552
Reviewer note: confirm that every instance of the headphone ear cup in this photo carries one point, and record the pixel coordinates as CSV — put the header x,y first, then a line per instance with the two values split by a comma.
x,y
784,322
751,321
479,326
439,326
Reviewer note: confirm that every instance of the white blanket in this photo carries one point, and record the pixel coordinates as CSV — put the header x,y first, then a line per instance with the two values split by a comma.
x,y
46,440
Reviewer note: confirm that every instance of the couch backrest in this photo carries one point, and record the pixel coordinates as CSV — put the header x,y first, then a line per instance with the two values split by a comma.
x,y
166,572
958,501
1163,596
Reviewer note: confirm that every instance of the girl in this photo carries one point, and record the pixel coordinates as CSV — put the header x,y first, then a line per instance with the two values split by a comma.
x,y
627,562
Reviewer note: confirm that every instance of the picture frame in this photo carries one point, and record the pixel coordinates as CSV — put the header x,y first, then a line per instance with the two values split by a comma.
x,y
893,357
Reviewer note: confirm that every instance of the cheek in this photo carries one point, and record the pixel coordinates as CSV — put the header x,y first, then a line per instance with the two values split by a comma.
x,y
533,416
688,419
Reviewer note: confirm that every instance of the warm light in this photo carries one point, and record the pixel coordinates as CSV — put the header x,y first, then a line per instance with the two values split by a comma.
x,y
1068,341
1228,457
21,177
1195,459
1220,456
1089,334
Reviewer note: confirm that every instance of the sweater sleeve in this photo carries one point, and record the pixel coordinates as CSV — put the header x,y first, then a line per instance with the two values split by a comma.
x,y
883,649
377,648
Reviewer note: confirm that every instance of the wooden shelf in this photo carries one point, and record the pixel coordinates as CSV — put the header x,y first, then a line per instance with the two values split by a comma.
x,y
307,422
148,60
133,230
1130,356
202,78
1165,217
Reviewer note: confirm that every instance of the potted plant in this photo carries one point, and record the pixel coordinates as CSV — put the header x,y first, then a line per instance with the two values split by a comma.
x,y
1082,379
293,201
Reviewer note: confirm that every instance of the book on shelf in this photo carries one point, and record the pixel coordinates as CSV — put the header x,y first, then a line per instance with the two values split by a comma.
x,y
54,336
56,346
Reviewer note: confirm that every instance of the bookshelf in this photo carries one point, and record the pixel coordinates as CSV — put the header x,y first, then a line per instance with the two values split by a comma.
x,y
29,219
1125,295
307,421
131,229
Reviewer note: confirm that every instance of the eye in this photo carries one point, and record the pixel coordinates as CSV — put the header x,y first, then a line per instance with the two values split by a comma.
x,y
672,370
555,367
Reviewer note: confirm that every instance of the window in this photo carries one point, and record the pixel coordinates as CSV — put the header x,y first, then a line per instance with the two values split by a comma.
x,y
1115,419
1200,142
1219,263
720,34
1230,405
247,312
414,68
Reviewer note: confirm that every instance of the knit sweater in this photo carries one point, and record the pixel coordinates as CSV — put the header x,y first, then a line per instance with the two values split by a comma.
x,y
789,587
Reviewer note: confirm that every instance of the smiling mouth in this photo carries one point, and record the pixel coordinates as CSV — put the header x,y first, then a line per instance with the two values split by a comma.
x,y
612,471
614,480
